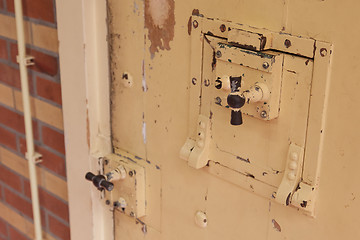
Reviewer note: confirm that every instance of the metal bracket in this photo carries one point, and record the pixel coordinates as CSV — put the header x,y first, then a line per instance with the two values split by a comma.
x,y
28,60
128,178
291,176
196,152
37,157
304,198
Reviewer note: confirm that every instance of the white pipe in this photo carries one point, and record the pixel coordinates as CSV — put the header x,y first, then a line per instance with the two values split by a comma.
x,y
27,118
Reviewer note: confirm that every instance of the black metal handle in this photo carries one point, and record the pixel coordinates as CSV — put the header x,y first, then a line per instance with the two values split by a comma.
x,y
235,102
99,181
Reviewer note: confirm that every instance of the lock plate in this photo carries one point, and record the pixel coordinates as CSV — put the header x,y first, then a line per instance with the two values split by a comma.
x,y
128,195
252,67
254,155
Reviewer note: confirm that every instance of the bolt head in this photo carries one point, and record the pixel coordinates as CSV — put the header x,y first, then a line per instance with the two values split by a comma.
x,y
265,65
263,114
287,43
131,173
222,28
323,52
218,54
193,80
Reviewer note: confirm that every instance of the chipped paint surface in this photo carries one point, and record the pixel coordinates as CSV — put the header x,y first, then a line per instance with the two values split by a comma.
x,y
160,22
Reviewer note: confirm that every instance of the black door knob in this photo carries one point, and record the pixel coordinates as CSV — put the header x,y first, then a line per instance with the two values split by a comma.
x,y
99,181
236,102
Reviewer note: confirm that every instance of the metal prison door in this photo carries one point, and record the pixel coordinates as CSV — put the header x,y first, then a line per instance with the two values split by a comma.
x,y
234,119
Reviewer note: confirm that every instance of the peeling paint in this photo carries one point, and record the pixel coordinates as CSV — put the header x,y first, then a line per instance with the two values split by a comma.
x,y
160,21
276,225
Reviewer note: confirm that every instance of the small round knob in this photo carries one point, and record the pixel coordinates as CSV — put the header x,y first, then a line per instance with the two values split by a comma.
x,y
99,181
236,102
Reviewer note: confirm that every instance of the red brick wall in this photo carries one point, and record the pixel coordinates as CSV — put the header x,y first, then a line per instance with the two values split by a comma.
x,y
45,87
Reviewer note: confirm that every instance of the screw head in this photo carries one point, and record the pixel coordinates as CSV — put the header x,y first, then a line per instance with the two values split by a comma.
x,y
323,52
265,65
131,173
263,114
222,28
107,202
193,80
218,54
287,43
195,24
132,214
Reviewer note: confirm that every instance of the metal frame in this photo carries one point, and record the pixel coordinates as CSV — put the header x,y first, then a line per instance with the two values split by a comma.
x,y
263,39
82,30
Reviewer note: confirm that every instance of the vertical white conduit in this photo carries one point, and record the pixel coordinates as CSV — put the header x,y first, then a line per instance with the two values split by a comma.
x,y
30,155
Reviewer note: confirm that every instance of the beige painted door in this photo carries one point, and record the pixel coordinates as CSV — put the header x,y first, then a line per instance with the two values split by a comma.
x,y
289,171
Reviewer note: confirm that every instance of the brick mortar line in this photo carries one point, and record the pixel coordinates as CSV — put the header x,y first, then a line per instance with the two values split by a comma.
x,y
31,20
18,153
33,46
22,195
41,187
64,178
31,221
38,142
58,218
7,225
54,104
27,199
22,177
55,79
52,127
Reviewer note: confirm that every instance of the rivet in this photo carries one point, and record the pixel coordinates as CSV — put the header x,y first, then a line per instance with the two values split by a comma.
x,y
292,165
201,219
195,24
294,156
273,195
287,43
263,114
222,28
131,173
323,52
291,176
218,54
107,202
265,65
193,80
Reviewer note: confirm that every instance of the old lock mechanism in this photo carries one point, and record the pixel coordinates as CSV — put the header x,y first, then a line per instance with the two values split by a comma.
x,y
237,99
99,181
105,181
